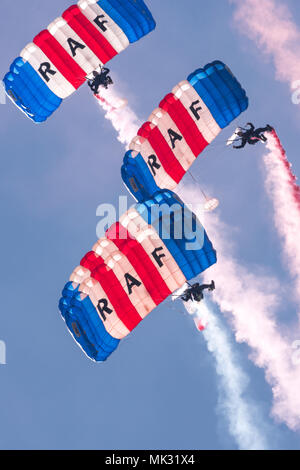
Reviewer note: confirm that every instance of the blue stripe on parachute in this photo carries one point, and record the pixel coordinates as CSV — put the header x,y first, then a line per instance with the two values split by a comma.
x,y
29,92
191,261
137,177
78,309
133,17
220,91
232,83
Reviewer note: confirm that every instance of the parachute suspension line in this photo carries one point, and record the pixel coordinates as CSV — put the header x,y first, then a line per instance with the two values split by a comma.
x,y
210,203
198,184
231,139
225,145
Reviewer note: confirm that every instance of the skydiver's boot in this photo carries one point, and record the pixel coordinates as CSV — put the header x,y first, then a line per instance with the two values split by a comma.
x,y
212,286
197,297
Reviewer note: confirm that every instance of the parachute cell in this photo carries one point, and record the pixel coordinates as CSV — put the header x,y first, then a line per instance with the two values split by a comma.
x,y
61,57
150,253
187,120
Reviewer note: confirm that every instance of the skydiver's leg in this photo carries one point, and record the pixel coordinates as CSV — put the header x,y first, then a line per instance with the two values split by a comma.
x,y
253,141
186,297
205,286
91,84
198,297
242,145
259,134
212,285
262,130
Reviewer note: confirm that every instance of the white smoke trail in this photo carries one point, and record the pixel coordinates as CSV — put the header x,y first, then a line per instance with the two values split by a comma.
x,y
250,300
270,24
285,195
127,124
122,117
243,417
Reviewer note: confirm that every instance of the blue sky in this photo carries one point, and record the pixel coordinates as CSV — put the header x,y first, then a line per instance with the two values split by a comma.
x,y
160,389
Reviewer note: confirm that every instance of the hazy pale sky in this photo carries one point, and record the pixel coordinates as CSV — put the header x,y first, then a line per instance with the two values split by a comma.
x,y
159,389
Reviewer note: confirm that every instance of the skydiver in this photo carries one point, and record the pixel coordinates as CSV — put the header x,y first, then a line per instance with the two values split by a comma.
x,y
195,292
260,132
101,79
251,135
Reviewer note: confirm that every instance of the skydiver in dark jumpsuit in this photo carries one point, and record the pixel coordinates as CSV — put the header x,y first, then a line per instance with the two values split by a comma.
x,y
195,292
251,136
100,79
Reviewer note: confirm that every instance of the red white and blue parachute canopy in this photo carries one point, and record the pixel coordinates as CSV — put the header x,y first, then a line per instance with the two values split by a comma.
x,y
61,57
186,122
150,253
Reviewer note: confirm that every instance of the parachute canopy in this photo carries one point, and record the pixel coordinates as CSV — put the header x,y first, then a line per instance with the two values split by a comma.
x,y
150,253
61,57
187,120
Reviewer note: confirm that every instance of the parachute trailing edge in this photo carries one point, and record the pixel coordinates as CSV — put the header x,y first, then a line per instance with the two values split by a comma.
x,y
186,122
62,57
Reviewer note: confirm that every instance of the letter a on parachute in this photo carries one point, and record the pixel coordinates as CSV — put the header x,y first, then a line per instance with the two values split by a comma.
x,y
186,122
63,56
151,252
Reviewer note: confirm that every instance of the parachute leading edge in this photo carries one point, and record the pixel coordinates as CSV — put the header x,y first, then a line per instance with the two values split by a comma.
x,y
187,120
